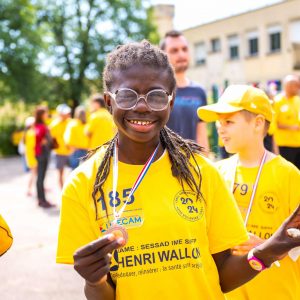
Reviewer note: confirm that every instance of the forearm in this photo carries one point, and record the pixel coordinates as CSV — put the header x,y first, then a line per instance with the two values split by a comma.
x,y
235,272
288,127
103,291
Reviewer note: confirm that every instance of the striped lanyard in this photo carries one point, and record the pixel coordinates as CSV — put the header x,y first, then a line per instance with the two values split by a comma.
x,y
262,162
138,181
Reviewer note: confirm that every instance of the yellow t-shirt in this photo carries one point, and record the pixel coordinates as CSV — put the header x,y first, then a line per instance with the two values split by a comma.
x,y
287,112
30,149
57,130
171,236
101,127
276,197
6,238
74,135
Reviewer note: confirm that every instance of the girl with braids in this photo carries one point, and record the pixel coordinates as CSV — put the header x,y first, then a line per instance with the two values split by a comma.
x,y
146,216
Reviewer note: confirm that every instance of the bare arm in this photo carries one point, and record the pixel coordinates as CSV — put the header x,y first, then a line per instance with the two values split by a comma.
x,y
235,270
288,127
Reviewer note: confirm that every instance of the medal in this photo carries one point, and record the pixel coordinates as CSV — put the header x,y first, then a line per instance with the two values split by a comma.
x,y
116,229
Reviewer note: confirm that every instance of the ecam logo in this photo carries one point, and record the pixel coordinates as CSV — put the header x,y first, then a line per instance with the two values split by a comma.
x,y
132,220
128,222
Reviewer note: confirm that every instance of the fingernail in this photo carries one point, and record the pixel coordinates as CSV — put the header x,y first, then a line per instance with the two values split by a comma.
x,y
110,237
120,241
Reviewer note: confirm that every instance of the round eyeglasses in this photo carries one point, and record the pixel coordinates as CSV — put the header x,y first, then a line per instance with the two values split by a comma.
x,y
127,99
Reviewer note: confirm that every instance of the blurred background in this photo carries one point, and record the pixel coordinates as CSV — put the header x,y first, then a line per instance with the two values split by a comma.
x,y
53,52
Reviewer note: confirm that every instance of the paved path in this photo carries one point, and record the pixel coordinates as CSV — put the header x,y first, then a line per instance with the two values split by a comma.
x,y
28,270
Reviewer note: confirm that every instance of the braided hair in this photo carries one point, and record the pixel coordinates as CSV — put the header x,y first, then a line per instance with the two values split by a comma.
x,y
181,151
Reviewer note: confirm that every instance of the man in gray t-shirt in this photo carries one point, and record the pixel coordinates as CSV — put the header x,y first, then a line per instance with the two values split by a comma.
x,y
189,95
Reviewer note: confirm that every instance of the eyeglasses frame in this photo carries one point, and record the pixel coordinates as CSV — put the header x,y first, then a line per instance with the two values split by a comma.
x,y
139,96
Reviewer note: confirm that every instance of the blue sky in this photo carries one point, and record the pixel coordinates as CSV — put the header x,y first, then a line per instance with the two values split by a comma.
x,y
190,13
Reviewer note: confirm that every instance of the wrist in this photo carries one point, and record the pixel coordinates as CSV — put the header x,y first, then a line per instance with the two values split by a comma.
x,y
263,257
102,282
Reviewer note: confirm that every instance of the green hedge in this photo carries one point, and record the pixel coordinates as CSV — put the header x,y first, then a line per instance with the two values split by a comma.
x,y
12,117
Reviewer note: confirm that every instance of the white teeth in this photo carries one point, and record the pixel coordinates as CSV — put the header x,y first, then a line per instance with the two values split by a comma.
x,y
138,122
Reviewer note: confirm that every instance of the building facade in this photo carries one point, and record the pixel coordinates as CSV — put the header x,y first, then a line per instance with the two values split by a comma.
x,y
258,47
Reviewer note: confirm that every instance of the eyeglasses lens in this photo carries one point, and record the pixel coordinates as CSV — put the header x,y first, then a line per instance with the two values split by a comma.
x,y
157,100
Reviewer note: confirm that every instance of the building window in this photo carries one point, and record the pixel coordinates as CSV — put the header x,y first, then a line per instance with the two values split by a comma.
x,y
215,45
200,54
274,38
233,43
253,46
252,43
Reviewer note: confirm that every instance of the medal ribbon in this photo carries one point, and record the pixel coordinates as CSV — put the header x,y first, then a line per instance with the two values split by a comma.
x,y
263,160
138,181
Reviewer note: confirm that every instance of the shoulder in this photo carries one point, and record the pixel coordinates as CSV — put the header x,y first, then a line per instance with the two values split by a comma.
x,y
225,164
283,167
207,168
86,173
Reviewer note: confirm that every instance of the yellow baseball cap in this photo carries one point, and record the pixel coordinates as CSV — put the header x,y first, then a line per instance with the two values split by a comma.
x,y
235,98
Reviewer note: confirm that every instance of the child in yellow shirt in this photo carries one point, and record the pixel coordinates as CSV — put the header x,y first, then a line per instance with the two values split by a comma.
x,y
147,216
265,186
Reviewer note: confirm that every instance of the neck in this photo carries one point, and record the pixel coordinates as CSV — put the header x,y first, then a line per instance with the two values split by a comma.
x,y
251,157
138,153
181,80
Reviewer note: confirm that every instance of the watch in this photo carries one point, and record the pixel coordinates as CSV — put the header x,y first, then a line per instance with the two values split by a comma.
x,y
254,262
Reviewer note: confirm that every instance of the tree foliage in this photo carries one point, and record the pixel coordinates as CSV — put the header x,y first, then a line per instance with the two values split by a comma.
x,y
20,44
55,49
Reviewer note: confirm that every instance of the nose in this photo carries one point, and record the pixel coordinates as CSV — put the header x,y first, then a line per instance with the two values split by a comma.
x,y
220,128
142,105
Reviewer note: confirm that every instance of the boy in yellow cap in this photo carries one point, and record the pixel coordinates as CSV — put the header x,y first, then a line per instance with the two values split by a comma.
x,y
264,185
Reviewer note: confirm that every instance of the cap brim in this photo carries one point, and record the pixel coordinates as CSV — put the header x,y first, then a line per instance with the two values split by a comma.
x,y
210,113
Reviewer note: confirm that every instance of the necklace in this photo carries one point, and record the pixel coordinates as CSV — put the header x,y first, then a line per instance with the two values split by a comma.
x,y
262,162
115,228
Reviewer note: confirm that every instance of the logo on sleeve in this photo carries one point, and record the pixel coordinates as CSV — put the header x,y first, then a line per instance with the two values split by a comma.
x,y
188,207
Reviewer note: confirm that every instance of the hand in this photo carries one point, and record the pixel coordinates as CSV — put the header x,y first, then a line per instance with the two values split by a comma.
x,y
280,243
248,245
92,261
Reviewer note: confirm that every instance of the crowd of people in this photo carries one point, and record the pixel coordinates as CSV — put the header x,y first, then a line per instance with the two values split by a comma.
x,y
147,215
68,138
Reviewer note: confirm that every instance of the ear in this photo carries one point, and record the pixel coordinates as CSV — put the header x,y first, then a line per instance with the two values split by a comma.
x,y
259,122
172,101
107,100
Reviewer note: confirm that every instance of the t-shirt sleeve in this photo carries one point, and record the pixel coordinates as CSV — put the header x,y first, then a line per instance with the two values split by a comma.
x,y
6,238
224,222
76,228
293,189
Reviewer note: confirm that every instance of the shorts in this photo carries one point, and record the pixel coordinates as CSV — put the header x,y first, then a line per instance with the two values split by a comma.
x,y
61,161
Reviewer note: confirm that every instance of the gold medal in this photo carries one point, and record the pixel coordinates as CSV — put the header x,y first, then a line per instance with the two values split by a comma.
x,y
118,231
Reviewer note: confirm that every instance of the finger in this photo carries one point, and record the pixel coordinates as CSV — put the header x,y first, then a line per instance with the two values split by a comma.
x,y
87,272
98,274
94,258
98,254
94,245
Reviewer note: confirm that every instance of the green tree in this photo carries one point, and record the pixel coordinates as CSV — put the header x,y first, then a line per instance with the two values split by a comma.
x,y
20,44
82,32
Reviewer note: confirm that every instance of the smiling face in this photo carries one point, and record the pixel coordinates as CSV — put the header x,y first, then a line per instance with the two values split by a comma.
x,y
236,131
140,124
